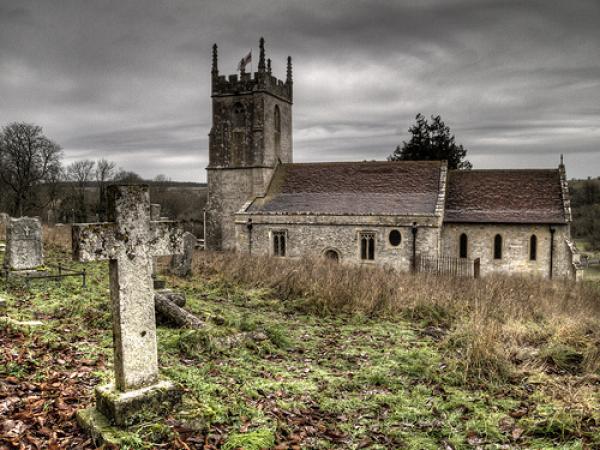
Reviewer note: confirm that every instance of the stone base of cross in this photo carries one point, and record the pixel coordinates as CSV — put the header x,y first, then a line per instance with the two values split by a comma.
x,y
129,242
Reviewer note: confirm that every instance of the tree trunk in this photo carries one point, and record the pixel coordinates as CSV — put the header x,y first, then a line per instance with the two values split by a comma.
x,y
170,311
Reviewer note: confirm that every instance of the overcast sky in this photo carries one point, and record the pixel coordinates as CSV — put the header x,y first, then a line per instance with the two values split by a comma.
x,y
518,82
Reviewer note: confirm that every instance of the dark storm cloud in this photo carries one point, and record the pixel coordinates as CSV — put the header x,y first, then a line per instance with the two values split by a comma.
x,y
518,82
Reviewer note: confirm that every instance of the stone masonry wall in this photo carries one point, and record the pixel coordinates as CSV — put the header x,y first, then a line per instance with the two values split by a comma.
x,y
285,150
515,248
228,190
314,235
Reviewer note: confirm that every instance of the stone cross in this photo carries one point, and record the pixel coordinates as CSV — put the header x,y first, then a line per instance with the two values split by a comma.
x,y
129,242
24,249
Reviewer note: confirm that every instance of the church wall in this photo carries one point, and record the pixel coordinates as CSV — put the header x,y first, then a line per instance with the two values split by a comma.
x,y
228,191
515,248
285,150
314,235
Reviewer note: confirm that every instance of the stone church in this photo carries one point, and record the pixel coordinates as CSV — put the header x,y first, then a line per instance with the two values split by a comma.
x,y
388,213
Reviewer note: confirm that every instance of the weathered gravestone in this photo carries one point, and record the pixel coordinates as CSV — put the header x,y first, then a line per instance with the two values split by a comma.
x,y
24,250
155,215
181,265
129,242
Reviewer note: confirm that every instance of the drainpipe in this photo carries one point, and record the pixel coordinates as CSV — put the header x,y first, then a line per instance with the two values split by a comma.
x,y
249,228
204,228
414,247
552,230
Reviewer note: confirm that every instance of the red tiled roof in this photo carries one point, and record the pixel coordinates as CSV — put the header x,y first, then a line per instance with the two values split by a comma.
x,y
359,188
504,196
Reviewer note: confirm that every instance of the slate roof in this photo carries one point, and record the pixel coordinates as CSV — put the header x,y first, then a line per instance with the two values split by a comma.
x,y
504,196
353,188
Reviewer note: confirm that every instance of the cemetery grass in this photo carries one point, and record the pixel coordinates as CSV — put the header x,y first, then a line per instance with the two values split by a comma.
x,y
275,367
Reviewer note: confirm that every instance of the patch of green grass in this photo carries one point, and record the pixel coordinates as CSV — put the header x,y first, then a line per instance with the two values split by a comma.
x,y
253,440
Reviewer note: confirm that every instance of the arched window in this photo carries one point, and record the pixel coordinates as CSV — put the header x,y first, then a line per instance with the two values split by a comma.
x,y
332,255
498,247
367,246
277,119
277,130
279,244
239,116
395,238
533,247
464,245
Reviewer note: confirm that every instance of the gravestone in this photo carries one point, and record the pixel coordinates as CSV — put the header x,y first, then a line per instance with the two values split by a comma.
x,y
155,215
24,250
129,243
181,265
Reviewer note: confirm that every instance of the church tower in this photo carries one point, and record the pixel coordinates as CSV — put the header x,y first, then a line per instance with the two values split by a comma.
x,y
251,134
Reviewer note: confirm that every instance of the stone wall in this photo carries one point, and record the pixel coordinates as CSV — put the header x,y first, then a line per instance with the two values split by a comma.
x,y
228,191
314,235
515,248
284,153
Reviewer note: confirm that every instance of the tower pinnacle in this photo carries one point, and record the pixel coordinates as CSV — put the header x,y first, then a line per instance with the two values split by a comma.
x,y
261,59
289,70
215,68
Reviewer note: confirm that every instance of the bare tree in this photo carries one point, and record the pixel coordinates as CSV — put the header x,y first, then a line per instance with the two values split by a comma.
x,y
128,177
53,190
105,172
27,159
161,178
80,174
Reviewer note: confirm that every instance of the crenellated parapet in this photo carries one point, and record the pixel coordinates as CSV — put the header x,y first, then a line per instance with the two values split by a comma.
x,y
260,81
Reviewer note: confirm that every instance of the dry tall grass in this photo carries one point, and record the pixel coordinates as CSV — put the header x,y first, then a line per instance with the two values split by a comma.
x,y
57,238
493,322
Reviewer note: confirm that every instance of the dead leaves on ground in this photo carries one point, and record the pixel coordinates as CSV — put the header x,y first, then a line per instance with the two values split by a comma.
x,y
38,402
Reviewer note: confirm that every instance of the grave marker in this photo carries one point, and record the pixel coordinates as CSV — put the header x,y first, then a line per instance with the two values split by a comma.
x,y
129,243
181,265
24,249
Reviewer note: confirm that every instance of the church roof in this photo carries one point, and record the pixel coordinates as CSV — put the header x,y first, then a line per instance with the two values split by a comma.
x,y
353,188
505,196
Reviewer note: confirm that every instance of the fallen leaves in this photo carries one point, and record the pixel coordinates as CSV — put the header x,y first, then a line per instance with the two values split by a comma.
x,y
38,407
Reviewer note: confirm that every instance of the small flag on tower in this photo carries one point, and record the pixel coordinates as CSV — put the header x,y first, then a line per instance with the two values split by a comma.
x,y
245,61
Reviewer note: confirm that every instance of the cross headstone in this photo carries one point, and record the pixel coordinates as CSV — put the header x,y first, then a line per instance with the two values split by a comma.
x,y
24,249
129,242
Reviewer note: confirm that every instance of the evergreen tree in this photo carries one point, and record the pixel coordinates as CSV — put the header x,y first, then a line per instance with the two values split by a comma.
x,y
431,142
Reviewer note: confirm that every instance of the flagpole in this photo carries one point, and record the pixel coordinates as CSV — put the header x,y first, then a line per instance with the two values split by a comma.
x,y
251,69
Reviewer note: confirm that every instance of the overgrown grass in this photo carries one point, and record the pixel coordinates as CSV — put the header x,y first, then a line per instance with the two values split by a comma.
x,y
488,321
303,354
